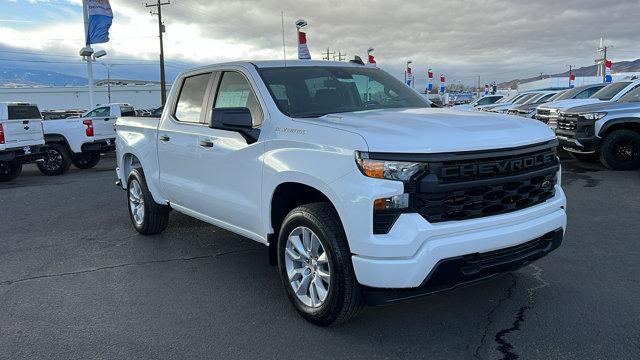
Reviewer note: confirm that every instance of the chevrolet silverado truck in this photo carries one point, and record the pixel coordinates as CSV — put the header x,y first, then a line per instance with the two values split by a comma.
x,y
361,191
81,141
607,131
609,93
21,139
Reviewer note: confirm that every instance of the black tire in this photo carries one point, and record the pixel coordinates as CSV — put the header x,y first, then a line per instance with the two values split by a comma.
x,y
620,150
584,157
9,170
155,216
57,161
344,296
86,160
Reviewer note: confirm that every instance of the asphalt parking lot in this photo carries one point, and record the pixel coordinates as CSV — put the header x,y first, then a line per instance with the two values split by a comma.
x,y
76,281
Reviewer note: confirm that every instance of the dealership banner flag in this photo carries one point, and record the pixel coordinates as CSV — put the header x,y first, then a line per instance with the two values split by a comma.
x,y
100,18
303,50
442,83
430,77
409,76
607,70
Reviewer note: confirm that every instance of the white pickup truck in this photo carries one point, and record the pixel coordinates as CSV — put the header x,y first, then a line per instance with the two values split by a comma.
x,y
362,192
80,141
21,139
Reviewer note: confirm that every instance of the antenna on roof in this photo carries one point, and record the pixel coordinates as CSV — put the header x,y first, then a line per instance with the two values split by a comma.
x,y
284,47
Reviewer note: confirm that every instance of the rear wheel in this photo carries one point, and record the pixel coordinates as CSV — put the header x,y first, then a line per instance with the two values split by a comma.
x,y
584,157
147,216
57,160
9,170
315,266
620,150
86,160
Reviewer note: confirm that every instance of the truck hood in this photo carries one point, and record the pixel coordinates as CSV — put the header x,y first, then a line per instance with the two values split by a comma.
x,y
605,106
429,130
569,103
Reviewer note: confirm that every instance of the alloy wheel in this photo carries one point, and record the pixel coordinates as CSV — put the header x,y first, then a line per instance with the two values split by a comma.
x,y
308,267
136,202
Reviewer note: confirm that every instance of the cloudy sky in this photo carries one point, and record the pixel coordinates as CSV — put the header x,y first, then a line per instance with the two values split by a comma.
x,y
498,40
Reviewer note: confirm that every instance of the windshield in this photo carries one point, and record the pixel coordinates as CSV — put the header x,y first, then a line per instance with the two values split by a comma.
x,y
320,90
524,99
559,96
631,96
609,91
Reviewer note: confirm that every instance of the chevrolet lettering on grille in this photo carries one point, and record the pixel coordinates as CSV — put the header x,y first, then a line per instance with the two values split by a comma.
x,y
496,168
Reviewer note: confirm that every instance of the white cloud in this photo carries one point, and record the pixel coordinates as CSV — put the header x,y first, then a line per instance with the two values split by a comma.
x,y
494,38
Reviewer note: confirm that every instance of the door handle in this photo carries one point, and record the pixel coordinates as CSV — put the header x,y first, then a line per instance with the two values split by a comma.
x,y
206,143
164,138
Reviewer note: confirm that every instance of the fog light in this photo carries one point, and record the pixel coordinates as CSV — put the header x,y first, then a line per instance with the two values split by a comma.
x,y
392,203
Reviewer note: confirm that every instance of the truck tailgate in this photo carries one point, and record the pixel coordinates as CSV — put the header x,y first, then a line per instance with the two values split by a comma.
x,y
22,132
103,128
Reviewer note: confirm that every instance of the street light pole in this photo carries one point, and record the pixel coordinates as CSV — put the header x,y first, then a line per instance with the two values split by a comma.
x,y
108,66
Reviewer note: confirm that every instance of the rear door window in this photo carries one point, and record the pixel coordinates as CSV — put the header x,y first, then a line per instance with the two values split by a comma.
x,y
23,112
191,98
100,112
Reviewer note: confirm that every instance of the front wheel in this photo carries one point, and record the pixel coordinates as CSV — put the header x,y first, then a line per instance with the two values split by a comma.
x,y
620,150
315,266
86,160
56,161
9,170
147,216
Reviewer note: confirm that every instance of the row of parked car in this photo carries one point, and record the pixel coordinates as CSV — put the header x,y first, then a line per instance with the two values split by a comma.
x,y
597,122
55,144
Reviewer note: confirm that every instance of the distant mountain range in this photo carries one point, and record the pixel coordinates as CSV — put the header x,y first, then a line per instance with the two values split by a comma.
x,y
21,77
623,66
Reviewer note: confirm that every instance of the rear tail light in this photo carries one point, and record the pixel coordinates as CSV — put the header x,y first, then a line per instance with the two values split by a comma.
x,y
89,125
1,134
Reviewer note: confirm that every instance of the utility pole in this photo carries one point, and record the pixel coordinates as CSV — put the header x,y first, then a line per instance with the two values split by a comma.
x,y
328,55
478,88
340,55
163,84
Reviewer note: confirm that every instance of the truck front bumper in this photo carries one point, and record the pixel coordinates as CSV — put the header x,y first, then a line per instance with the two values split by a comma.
x,y
432,254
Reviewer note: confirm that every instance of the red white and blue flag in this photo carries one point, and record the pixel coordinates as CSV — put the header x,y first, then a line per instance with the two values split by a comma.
x,y
442,83
303,50
409,76
608,64
430,81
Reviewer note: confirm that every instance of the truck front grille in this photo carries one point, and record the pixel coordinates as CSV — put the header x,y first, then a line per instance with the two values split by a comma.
x,y
479,201
567,125
467,187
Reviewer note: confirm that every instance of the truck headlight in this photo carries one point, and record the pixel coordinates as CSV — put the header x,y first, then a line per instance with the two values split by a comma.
x,y
594,116
391,170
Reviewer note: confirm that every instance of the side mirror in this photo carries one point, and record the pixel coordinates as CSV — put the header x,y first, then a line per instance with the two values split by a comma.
x,y
236,119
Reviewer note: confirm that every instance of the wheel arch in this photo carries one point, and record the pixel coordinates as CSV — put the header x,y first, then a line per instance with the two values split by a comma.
x,y
57,138
288,195
628,123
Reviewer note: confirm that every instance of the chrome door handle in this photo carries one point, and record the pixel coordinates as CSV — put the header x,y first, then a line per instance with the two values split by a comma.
x,y
164,138
206,144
